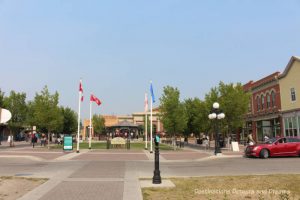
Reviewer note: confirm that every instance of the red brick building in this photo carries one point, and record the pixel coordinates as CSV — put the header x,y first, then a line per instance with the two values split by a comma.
x,y
264,116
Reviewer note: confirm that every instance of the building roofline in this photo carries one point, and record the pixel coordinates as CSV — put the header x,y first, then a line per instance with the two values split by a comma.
x,y
289,65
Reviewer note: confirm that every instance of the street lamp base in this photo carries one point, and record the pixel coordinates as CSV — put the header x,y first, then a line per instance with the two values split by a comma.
x,y
156,178
151,151
77,151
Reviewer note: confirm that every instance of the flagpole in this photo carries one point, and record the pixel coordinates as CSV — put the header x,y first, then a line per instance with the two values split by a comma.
x,y
78,130
151,151
146,132
90,132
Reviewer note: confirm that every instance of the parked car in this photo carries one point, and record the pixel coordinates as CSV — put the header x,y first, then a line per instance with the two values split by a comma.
x,y
284,146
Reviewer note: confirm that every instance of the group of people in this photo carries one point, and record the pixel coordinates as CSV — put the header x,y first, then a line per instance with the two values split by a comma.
x,y
251,141
35,137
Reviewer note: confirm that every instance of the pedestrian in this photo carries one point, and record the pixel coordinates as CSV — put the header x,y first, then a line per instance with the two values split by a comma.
x,y
250,139
33,139
266,138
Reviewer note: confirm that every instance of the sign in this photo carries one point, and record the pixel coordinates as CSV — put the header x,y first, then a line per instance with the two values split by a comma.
x,y
118,140
5,115
68,143
157,139
235,146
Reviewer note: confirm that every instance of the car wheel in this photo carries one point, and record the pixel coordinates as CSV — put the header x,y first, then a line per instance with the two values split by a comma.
x,y
264,153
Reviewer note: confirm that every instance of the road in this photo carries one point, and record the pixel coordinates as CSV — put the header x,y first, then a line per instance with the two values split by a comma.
x,y
115,175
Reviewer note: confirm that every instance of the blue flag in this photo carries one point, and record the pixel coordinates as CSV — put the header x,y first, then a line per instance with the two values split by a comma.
x,y
152,93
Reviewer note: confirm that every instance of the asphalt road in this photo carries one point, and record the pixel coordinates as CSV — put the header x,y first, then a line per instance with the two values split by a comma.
x,y
205,167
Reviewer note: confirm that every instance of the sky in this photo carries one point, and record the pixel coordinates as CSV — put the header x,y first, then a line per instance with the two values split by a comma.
x,y
118,46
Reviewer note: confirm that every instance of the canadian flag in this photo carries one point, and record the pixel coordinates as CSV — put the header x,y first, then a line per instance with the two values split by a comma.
x,y
81,90
95,99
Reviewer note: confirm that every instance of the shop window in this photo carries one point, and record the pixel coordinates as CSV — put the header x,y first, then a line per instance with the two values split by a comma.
x,y
293,94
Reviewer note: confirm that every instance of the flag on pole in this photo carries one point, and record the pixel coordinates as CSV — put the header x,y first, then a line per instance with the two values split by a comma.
x,y
81,90
146,102
152,93
95,99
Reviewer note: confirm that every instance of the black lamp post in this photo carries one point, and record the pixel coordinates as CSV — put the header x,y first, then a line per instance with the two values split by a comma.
x,y
156,177
215,115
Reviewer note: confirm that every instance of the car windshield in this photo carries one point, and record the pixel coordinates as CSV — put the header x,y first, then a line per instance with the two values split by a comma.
x,y
270,141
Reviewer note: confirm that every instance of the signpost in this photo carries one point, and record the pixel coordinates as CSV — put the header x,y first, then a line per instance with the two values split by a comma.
x,y
68,143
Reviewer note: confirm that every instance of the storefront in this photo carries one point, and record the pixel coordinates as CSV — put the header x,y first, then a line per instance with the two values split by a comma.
x,y
291,124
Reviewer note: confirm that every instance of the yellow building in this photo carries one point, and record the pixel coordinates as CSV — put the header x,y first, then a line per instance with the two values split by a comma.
x,y
289,82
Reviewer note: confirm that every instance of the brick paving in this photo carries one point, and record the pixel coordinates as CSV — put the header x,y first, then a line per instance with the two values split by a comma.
x,y
111,156
86,190
100,170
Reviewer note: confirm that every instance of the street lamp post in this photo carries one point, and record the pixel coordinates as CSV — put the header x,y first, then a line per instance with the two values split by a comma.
x,y
156,177
215,115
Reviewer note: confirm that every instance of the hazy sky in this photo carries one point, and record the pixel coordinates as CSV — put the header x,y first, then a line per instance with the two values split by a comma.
x,y
117,47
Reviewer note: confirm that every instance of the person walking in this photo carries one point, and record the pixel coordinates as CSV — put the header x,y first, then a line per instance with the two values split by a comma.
x,y
33,139
250,139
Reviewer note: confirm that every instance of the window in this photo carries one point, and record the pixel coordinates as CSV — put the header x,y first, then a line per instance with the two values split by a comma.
x,y
273,95
293,94
268,101
258,103
262,102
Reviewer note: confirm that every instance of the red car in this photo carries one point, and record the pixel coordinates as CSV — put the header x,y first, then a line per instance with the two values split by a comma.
x,y
284,146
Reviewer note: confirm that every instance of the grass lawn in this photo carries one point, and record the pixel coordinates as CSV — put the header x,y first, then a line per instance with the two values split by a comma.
x,y
271,187
102,145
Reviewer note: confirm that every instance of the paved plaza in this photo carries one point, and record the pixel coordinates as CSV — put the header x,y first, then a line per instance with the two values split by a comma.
x,y
115,174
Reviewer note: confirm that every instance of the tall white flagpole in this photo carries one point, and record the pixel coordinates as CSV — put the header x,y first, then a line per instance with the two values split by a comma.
x,y
151,151
146,123
79,105
146,132
90,132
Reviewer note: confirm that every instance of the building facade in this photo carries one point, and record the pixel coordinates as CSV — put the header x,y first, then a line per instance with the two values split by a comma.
x,y
137,118
264,116
274,108
289,82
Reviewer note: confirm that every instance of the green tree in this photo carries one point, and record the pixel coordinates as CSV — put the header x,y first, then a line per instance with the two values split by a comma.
x,y
172,110
16,104
192,111
233,103
196,112
98,124
69,120
1,99
45,113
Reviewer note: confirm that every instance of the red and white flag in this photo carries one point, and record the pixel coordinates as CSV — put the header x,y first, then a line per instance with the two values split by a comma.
x,y
146,102
81,90
95,99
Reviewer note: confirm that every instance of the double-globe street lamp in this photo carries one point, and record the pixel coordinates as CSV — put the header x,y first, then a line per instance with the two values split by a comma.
x,y
215,115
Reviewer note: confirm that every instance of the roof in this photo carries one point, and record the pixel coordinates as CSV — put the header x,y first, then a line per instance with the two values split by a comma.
x,y
124,124
289,65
